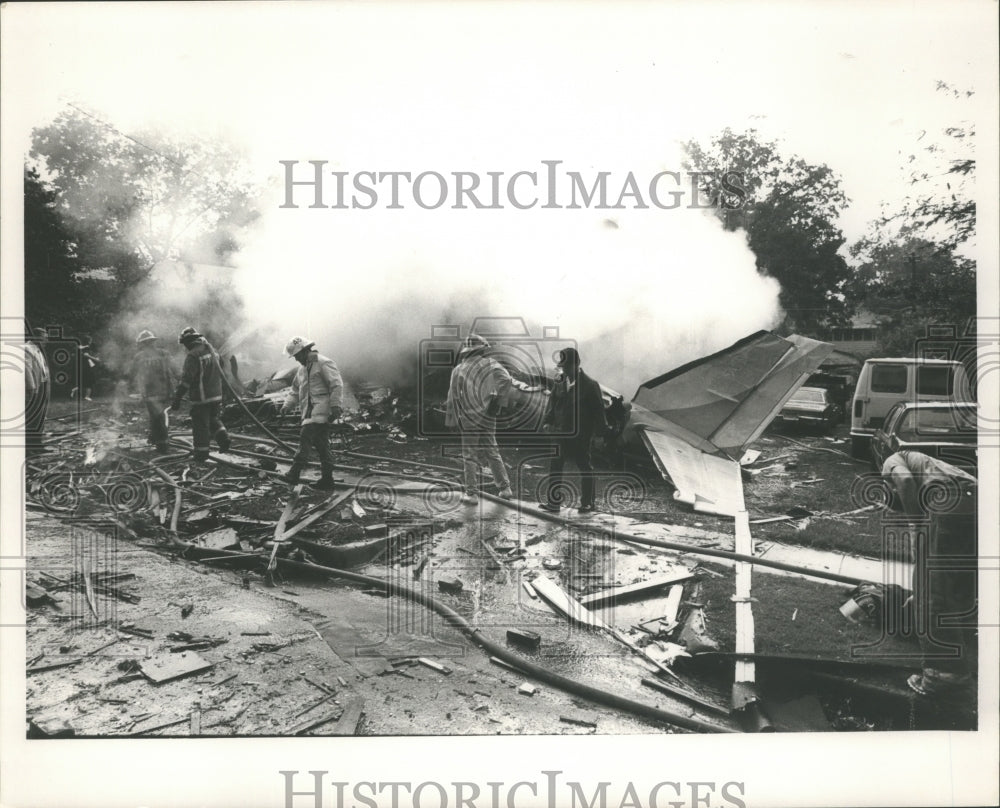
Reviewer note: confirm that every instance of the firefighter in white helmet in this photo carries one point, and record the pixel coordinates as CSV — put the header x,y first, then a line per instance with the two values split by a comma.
x,y
318,392
153,377
478,387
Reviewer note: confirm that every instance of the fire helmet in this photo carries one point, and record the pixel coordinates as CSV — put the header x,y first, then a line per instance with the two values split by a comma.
x,y
473,344
297,344
145,336
187,335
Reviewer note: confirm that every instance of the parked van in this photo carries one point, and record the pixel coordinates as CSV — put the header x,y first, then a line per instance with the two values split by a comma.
x,y
883,383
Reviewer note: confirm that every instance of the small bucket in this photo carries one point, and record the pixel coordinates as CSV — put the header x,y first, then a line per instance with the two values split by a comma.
x,y
853,612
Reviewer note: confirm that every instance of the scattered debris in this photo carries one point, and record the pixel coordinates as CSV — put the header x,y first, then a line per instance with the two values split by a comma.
x,y
527,689
221,539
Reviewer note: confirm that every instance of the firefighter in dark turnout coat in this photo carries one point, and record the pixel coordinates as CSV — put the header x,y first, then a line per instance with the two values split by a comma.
x,y
575,414
201,380
153,377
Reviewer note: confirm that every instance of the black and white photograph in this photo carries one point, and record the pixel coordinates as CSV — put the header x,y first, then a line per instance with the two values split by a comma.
x,y
477,404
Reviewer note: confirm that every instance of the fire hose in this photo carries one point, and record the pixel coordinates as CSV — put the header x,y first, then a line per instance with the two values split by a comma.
x,y
497,650
538,513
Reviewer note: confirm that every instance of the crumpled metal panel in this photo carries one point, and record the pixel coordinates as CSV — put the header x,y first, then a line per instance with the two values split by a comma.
x,y
722,402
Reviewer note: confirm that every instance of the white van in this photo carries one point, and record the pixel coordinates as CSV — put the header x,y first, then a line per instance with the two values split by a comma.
x,y
885,382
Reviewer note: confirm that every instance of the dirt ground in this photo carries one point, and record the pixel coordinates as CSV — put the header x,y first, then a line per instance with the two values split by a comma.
x,y
311,657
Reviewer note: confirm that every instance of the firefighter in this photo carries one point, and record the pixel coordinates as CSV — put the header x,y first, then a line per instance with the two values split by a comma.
x,y
478,387
153,377
941,499
318,391
575,414
201,380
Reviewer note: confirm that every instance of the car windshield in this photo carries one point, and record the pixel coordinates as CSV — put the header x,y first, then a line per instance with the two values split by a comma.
x,y
809,395
927,423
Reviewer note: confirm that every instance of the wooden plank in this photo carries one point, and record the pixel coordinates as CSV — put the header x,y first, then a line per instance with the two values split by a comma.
x,y
279,530
562,602
313,723
167,667
89,589
324,509
673,604
348,722
611,595
434,666
745,671
692,698
48,666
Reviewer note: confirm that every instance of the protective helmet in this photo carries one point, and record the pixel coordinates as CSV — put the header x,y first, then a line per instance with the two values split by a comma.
x,y
296,344
473,344
188,334
145,336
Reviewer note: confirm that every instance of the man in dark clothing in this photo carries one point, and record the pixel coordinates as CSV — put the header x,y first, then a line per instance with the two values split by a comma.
x,y
201,379
153,377
941,501
575,413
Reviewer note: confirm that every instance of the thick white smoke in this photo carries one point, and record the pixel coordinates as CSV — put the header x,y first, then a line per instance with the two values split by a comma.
x,y
641,291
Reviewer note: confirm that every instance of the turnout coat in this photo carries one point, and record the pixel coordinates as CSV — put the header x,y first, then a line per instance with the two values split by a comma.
x,y
317,388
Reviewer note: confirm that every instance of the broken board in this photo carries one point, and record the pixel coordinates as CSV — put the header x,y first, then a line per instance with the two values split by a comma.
x,y
621,592
564,603
167,667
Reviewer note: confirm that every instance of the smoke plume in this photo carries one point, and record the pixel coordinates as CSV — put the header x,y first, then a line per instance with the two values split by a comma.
x,y
641,293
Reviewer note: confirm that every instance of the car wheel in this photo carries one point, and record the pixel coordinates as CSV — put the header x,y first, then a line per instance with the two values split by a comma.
x,y
861,447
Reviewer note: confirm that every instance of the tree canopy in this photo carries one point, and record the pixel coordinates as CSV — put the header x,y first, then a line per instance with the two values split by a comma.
x,y
789,214
102,207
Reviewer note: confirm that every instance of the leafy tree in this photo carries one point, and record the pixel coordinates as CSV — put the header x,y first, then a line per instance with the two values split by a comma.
x,y
911,283
789,212
56,291
152,195
103,207
943,178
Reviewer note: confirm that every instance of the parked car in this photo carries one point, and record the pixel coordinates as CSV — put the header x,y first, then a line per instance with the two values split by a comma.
x,y
884,382
812,405
943,430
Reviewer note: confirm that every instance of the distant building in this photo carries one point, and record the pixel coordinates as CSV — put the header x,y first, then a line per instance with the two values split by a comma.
x,y
860,338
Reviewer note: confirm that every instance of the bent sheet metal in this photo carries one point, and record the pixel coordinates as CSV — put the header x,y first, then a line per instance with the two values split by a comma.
x,y
699,419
